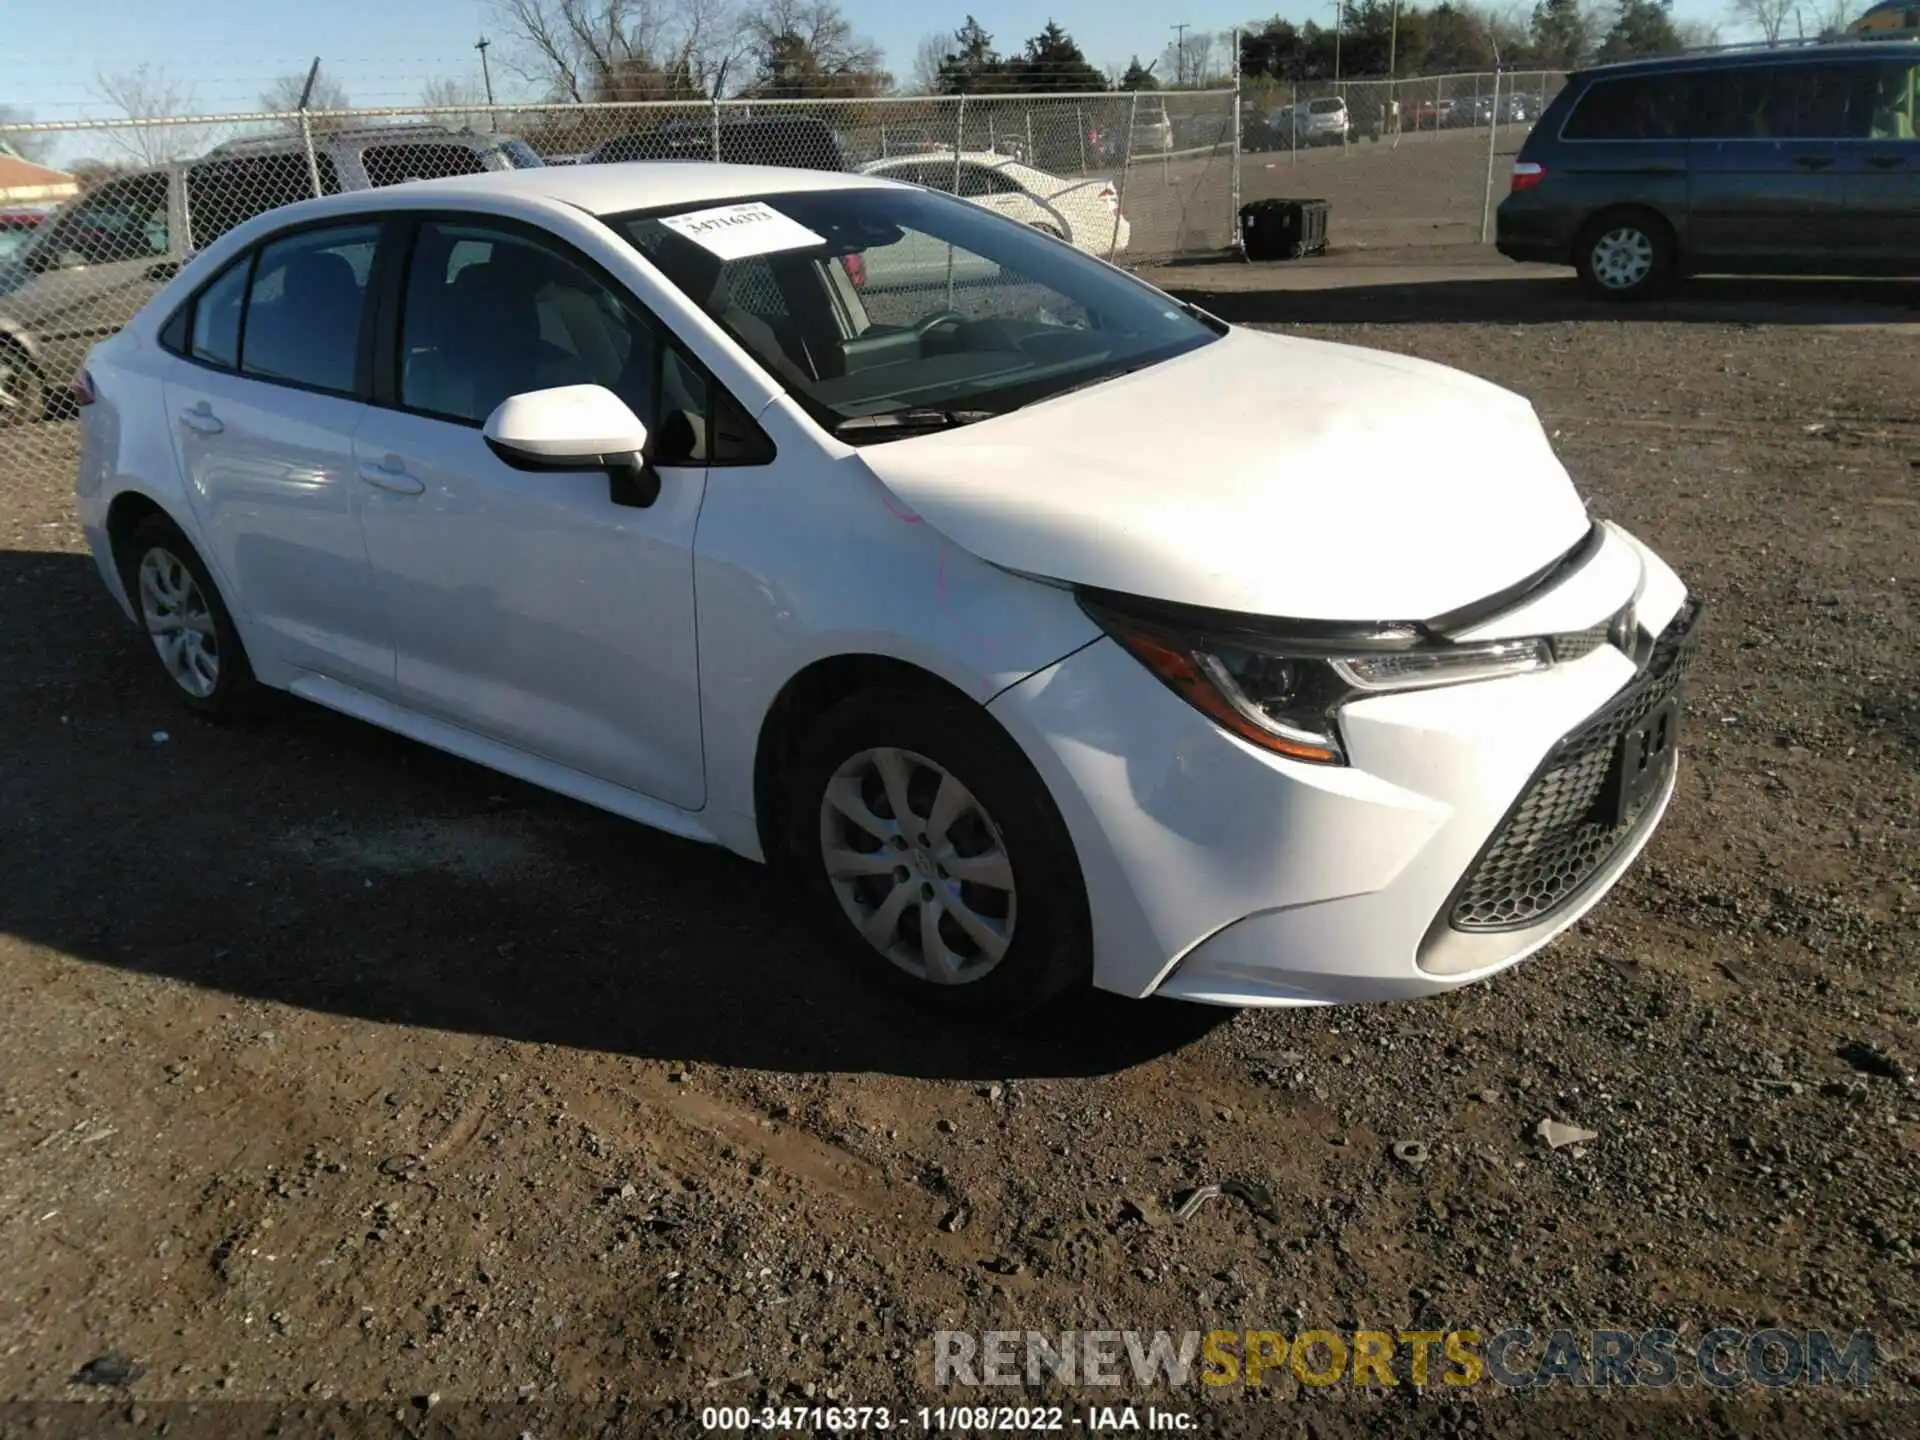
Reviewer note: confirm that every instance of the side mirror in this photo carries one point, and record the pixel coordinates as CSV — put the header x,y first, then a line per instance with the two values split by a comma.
x,y
575,427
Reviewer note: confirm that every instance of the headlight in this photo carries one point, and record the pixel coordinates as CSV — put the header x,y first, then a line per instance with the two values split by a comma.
x,y
1284,693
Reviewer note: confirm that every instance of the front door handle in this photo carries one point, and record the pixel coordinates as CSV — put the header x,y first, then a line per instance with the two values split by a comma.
x,y
1885,162
1813,162
201,418
391,475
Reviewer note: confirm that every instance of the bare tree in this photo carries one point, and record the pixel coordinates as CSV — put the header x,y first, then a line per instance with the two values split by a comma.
x,y
462,97
30,145
282,97
1768,16
928,56
583,50
808,48
1697,34
145,94
1825,17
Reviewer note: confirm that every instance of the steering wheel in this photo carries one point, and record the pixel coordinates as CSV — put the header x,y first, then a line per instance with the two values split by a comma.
x,y
926,325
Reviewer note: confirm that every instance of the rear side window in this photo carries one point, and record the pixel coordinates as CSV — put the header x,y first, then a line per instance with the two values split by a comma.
x,y
1326,107
224,193
1634,107
216,317
304,307
392,164
1787,102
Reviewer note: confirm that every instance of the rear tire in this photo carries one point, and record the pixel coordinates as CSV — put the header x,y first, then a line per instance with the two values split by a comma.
x,y
23,393
188,624
930,847
1625,255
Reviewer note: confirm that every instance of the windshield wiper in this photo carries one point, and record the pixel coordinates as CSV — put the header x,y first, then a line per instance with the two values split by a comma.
x,y
893,422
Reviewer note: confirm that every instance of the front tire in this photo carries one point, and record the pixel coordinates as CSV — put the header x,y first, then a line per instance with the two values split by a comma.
x,y
929,843
192,633
1627,255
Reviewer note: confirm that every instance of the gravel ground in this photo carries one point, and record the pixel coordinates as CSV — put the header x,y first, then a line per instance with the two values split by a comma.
x,y
340,1071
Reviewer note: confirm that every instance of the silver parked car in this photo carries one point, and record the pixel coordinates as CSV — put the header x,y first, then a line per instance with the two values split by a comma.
x,y
94,262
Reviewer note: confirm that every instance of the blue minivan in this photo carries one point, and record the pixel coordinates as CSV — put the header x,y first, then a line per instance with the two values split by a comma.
x,y
1794,161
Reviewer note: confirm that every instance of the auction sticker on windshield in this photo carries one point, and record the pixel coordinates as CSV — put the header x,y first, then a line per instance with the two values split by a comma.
x,y
734,232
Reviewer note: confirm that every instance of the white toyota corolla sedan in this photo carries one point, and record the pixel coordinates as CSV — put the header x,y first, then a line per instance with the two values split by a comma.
x,y
1009,608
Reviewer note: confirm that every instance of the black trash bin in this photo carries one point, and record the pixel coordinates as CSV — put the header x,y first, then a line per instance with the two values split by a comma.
x,y
1283,229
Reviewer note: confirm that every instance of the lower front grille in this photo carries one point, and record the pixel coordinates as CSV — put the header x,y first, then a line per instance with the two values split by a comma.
x,y
1562,830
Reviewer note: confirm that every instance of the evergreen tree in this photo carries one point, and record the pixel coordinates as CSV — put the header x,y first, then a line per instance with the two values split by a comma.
x,y
1644,27
1562,34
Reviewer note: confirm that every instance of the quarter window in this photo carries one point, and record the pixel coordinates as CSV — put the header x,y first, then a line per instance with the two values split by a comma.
x,y
304,307
1636,107
216,317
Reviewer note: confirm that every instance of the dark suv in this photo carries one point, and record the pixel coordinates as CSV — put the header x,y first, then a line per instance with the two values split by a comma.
x,y
801,141
1801,160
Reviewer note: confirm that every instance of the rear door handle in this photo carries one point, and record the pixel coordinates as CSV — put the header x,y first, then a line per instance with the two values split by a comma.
x,y
1813,162
1885,162
201,418
391,475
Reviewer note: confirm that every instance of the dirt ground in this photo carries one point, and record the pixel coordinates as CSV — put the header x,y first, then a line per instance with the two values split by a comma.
x,y
339,1072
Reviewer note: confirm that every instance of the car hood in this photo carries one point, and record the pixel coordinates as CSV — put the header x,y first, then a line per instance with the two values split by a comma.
x,y
1263,474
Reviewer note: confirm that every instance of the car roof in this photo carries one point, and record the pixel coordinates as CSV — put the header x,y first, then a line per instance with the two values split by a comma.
x,y
1844,52
621,185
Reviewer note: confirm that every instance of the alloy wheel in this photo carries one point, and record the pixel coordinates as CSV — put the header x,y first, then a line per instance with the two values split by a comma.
x,y
1623,257
179,622
918,866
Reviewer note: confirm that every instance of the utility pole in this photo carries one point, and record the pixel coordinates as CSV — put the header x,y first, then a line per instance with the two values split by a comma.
x,y
1393,44
486,74
1180,53
1339,24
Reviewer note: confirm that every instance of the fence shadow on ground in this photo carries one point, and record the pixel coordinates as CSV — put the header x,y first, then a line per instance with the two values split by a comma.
x,y
1533,299
310,860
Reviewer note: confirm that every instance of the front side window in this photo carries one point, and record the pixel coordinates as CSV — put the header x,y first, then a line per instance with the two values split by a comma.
x,y
126,220
1894,106
394,164
898,302
490,313
304,307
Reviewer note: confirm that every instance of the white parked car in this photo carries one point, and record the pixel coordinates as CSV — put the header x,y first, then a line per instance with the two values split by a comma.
x,y
1085,213
1022,631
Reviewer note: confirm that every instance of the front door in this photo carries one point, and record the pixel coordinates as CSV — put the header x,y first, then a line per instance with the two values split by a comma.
x,y
1883,183
263,414
536,608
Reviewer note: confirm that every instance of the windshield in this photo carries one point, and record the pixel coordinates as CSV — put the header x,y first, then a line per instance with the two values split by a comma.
x,y
520,155
13,239
893,301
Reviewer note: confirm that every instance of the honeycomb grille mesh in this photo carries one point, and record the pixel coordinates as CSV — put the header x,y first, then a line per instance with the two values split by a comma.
x,y
1555,837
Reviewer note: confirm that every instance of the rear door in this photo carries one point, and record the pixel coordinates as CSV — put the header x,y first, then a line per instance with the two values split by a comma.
x,y
1883,182
1767,181
263,409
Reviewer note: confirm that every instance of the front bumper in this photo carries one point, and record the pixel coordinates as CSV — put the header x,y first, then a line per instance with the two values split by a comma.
x,y
1222,873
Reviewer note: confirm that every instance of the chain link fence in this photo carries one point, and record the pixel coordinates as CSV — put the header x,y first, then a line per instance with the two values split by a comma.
x,y
1402,162
1131,178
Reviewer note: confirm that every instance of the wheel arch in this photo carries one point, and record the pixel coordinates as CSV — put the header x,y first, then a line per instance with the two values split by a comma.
x,y
812,691
1621,210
